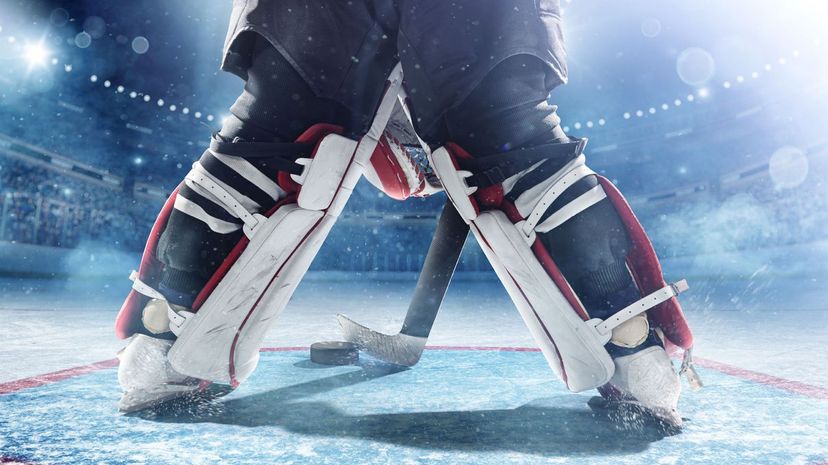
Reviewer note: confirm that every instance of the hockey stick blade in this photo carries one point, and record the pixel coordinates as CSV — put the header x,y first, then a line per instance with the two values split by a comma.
x,y
399,349
406,347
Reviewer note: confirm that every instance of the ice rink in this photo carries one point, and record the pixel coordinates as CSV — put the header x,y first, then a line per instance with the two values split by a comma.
x,y
709,116
481,394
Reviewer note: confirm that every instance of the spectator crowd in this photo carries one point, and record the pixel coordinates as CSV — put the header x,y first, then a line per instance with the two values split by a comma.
x,y
43,207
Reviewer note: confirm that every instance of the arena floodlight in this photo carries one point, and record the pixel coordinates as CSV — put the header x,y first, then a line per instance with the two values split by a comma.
x,y
36,54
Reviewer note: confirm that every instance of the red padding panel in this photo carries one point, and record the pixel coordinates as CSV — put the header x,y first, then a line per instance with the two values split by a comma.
x,y
128,321
646,270
389,171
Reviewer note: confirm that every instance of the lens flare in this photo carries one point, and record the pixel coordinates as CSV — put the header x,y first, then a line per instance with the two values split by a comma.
x,y
36,54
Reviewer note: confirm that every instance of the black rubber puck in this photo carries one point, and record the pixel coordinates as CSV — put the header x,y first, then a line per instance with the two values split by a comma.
x,y
334,353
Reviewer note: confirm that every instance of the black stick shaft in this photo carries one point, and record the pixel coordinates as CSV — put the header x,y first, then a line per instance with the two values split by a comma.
x,y
440,263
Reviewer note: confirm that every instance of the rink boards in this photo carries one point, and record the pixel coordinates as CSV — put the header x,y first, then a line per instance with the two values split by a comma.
x,y
458,405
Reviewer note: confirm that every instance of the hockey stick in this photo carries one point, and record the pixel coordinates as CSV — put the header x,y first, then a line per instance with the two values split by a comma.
x,y
406,347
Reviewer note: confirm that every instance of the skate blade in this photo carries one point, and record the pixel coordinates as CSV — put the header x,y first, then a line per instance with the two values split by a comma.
x,y
630,413
399,349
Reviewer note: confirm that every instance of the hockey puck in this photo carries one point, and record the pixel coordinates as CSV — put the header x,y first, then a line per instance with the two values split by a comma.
x,y
334,353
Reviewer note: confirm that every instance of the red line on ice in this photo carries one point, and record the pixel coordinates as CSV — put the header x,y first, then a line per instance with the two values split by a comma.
x,y
49,378
780,383
788,385
489,348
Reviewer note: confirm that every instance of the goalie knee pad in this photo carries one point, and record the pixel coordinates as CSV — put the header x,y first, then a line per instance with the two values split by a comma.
x,y
219,339
572,340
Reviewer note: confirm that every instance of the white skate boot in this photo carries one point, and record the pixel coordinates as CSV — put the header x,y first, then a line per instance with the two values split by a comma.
x,y
146,377
646,379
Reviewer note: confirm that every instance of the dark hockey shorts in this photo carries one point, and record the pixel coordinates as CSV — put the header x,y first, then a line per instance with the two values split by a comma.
x,y
345,49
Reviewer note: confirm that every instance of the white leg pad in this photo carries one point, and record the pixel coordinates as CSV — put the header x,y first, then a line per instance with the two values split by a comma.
x,y
571,346
221,341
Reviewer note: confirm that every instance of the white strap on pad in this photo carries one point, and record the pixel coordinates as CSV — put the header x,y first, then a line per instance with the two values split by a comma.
x,y
555,190
200,177
573,208
604,328
177,318
143,288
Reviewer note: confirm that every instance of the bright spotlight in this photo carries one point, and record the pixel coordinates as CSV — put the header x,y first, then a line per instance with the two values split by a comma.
x,y
36,54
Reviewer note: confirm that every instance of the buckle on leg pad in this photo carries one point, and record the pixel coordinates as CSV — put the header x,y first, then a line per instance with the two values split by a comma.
x,y
201,178
177,318
603,328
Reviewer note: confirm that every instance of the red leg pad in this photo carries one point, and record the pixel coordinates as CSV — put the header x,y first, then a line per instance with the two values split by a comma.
x,y
646,270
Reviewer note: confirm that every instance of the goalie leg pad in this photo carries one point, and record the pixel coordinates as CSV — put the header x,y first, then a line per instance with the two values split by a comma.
x,y
572,342
571,347
221,341
646,270
128,321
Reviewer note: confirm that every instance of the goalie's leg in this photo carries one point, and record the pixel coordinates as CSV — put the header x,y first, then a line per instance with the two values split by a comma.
x,y
563,241
233,241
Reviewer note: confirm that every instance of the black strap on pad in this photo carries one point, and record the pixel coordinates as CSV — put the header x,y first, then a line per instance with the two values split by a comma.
x,y
281,154
490,170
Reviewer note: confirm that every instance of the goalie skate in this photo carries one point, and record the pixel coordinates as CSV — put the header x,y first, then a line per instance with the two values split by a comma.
x,y
146,377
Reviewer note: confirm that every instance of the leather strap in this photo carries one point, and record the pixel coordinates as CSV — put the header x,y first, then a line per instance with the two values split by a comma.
x,y
280,154
177,319
493,169
576,206
552,193
202,178
640,306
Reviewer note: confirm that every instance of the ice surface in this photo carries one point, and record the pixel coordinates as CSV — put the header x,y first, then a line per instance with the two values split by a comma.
x,y
777,326
476,407
454,407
